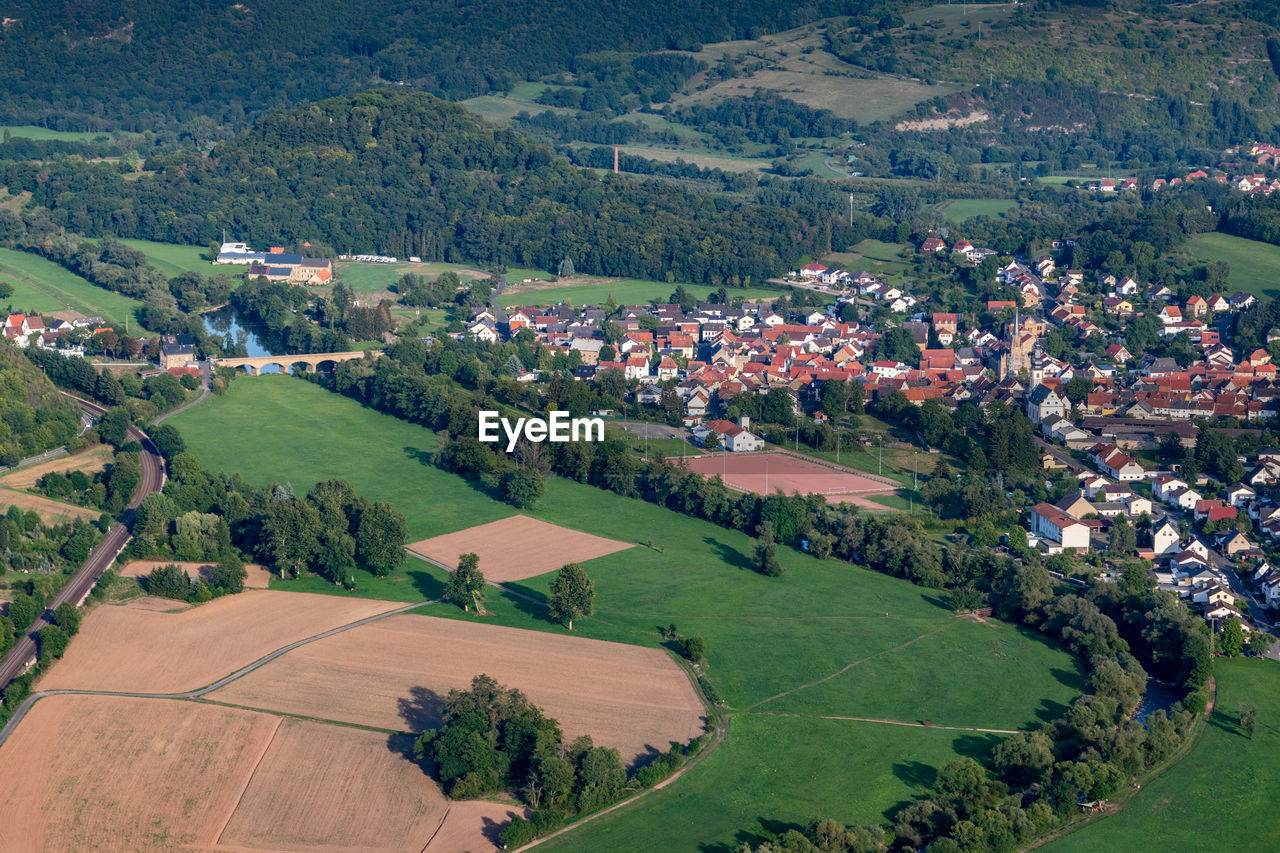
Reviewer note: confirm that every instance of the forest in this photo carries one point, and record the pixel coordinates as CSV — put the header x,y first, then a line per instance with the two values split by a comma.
x,y
407,174
194,68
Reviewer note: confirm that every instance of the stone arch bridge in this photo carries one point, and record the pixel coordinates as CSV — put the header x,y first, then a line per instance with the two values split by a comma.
x,y
308,361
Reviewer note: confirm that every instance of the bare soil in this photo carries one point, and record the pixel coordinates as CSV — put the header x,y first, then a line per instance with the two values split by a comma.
x,y
257,576
133,648
113,773
516,548
310,793
395,673
763,473
90,462
50,511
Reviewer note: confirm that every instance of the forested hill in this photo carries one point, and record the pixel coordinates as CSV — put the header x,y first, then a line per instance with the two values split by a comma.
x,y
407,174
34,417
101,64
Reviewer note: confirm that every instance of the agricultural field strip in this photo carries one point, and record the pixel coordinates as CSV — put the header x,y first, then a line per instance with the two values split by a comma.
x,y
222,682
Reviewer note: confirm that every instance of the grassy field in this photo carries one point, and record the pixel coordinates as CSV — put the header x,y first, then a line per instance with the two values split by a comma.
x,y
699,157
28,131
375,278
1254,265
761,782
962,208
873,256
1235,779
173,260
627,291
43,286
807,643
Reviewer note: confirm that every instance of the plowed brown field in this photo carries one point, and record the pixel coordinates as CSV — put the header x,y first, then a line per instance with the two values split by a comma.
x,y
516,548
134,648
113,773
395,672
256,576
311,792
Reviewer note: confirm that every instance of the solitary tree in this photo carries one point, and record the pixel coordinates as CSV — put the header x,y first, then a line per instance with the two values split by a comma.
x,y
572,594
767,552
466,585
1248,715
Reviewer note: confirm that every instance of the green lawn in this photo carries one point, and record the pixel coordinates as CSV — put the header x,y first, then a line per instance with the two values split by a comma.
x,y
805,643
627,291
961,209
43,286
1220,797
173,260
1255,266
776,773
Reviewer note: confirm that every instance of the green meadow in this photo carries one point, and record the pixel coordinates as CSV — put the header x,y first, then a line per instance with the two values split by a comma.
x,y
827,639
1255,266
43,286
1218,796
173,260
627,291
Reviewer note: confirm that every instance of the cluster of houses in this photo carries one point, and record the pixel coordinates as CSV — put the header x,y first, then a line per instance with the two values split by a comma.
x,y
868,286
1252,184
25,329
276,264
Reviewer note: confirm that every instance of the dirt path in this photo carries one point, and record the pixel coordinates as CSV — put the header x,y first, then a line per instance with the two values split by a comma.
x,y
843,669
886,722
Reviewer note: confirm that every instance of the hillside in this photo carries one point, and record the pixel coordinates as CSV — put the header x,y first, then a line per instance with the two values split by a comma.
x,y
406,174
111,63
34,417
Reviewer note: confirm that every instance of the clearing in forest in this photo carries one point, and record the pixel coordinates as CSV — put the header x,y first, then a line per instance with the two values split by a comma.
x,y
135,648
395,673
515,548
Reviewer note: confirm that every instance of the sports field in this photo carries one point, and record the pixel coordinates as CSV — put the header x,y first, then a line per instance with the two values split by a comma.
x,y
41,286
512,549
822,622
590,290
766,473
1254,265
1219,796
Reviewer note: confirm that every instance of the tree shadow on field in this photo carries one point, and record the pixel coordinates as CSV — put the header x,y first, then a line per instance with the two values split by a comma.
x,y
425,457
979,747
422,709
729,554
916,773
427,585
770,830
492,830
528,601
1050,710
942,602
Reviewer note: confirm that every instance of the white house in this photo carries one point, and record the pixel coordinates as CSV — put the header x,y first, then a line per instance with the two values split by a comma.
x,y
1165,539
1054,524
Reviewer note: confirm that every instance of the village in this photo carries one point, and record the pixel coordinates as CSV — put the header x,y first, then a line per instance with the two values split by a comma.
x,y
1097,408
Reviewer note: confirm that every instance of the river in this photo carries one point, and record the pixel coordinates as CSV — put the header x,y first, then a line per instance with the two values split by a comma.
x,y
226,321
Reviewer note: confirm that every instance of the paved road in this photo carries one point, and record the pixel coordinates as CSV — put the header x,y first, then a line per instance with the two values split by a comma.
x,y
23,653
645,429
